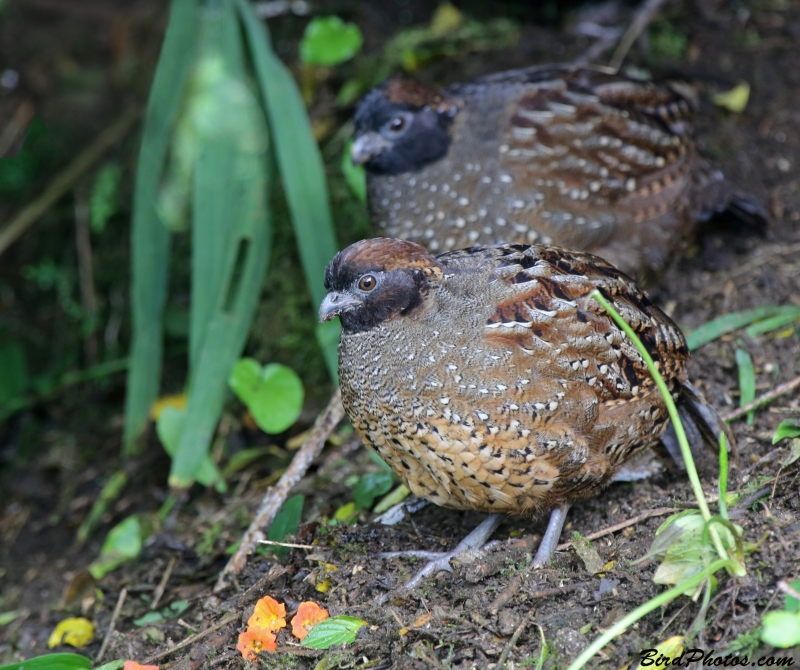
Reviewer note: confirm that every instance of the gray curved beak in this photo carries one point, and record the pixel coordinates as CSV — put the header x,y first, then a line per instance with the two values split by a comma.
x,y
367,146
334,304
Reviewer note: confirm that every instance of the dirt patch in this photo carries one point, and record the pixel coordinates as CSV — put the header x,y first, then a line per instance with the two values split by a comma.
x,y
55,457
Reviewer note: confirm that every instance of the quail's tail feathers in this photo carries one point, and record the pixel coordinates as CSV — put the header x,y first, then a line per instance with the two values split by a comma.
x,y
703,427
713,196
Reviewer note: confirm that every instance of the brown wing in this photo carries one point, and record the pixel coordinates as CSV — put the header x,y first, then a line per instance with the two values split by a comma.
x,y
579,358
601,153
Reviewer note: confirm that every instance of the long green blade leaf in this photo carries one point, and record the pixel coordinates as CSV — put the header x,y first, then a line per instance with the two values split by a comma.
x,y
747,381
149,238
233,215
727,323
299,162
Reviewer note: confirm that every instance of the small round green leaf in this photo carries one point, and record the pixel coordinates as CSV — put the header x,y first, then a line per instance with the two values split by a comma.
x,y
334,631
329,41
273,394
781,629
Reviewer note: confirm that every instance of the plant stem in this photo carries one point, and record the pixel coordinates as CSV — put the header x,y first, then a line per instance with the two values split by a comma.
x,y
622,625
691,470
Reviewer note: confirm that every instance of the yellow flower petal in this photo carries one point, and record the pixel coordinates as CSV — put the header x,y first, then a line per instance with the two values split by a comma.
x,y
76,632
178,401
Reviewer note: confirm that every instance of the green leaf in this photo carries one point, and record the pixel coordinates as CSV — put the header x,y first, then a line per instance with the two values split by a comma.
x,y
301,167
175,609
286,522
355,175
747,381
727,323
781,629
14,380
112,665
123,543
329,41
148,619
273,393
229,199
169,428
104,199
787,429
149,238
52,662
370,486
778,321
333,631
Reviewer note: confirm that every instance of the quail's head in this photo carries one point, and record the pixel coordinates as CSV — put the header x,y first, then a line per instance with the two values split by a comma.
x,y
402,126
376,280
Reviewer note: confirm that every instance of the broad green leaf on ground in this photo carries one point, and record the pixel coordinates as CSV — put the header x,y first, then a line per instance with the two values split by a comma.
x,y
680,543
74,631
787,429
104,198
747,381
286,522
781,629
727,323
52,662
123,543
329,41
169,428
333,631
371,486
273,393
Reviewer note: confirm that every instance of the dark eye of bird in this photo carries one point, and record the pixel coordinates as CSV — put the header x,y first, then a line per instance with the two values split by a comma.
x,y
397,124
367,283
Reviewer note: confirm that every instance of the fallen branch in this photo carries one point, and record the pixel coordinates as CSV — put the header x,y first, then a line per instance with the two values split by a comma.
x,y
779,390
644,15
192,639
120,602
659,511
67,178
277,495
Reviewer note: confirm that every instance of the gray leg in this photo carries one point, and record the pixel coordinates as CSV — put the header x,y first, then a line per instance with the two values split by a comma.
x,y
441,561
551,536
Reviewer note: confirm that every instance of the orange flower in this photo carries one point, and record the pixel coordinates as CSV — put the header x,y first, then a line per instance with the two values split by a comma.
x,y
133,665
255,640
308,615
269,614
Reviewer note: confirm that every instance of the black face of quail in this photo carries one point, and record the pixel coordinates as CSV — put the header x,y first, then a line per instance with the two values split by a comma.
x,y
396,137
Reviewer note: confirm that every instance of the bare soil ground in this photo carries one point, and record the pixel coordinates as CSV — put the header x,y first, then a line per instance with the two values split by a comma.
x,y
56,456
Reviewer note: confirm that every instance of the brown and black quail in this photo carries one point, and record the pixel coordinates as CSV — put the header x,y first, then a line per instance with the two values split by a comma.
x,y
565,155
490,380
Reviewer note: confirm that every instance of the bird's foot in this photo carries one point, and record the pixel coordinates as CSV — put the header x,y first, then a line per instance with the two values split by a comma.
x,y
470,547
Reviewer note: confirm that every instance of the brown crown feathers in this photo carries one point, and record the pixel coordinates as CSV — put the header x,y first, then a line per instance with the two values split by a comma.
x,y
561,154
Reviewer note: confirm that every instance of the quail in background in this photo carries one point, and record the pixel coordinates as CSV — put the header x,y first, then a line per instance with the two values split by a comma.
x,y
490,380
563,155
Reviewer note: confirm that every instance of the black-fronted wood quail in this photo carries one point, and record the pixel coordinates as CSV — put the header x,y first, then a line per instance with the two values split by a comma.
x,y
561,154
490,380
